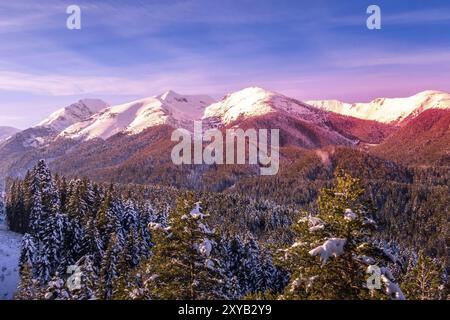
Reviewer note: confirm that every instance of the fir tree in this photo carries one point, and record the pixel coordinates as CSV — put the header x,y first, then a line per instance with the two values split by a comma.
x,y
182,265
425,280
109,269
86,288
28,287
333,252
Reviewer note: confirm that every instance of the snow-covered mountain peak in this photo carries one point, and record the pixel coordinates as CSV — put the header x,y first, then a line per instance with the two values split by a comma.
x,y
189,107
67,116
171,96
253,102
388,110
134,117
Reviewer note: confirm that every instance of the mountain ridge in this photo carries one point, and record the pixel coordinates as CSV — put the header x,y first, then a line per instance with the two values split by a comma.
x,y
138,126
388,110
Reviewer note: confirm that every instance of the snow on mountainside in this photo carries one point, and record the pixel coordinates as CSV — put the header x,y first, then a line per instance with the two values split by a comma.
x,y
388,110
299,123
45,132
6,132
135,117
254,102
65,117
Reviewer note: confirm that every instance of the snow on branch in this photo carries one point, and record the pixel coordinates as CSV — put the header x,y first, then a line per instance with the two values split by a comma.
x,y
349,215
332,247
314,223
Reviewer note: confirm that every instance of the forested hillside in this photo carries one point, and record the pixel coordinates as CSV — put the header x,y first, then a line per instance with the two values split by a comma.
x,y
159,242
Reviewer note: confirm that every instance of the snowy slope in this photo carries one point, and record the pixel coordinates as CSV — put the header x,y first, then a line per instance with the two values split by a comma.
x,y
65,117
388,110
254,102
300,124
9,259
135,117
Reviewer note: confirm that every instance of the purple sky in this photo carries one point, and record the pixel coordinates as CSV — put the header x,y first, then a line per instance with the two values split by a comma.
x,y
131,49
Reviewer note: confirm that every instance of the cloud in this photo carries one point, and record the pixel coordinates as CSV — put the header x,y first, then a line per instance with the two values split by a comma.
x,y
378,58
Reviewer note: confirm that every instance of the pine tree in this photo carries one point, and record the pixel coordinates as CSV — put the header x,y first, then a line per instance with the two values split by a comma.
x,y
28,287
333,251
129,260
55,289
47,223
87,285
182,265
424,281
28,252
109,269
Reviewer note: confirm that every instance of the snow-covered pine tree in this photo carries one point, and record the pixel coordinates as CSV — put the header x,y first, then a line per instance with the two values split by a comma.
x,y
28,252
92,242
110,218
128,260
130,215
55,289
253,265
333,251
47,223
77,213
108,271
182,265
27,288
88,279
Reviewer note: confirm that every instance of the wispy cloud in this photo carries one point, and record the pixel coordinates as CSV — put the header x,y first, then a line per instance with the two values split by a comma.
x,y
139,48
378,58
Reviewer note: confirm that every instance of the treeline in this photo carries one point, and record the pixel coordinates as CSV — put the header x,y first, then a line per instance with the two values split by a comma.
x,y
85,240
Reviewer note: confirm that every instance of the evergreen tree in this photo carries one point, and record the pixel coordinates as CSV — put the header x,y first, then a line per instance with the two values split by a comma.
x,y
424,281
56,289
85,289
182,265
28,288
333,252
129,260
109,269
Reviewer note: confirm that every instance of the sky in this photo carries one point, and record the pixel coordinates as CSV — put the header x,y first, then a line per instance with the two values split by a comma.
x,y
136,48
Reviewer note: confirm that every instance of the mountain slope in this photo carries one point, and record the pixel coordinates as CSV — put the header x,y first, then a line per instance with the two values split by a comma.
x,y
10,244
67,116
144,157
424,140
23,149
388,110
299,123
134,117
129,139
254,102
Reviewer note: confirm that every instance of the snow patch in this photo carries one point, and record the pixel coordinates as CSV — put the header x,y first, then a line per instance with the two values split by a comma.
x,y
349,215
333,247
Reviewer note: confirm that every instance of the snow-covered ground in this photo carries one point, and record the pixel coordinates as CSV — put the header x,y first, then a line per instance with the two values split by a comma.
x,y
9,258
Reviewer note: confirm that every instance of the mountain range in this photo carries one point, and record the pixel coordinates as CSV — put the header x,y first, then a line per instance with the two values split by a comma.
x,y
93,138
